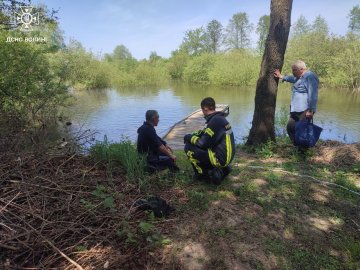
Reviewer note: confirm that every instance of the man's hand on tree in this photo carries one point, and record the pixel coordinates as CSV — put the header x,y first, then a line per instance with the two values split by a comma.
x,y
277,74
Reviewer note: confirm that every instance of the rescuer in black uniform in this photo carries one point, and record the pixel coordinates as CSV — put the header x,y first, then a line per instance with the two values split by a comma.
x,y
212,149
158,154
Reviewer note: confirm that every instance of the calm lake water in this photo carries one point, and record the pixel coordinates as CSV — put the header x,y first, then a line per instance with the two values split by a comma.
x,y
116,112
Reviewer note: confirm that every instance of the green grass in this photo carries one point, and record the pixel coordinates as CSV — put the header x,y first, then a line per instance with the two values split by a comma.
x,y
281,194
121,154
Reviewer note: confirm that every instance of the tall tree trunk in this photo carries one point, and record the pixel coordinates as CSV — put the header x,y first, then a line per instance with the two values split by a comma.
x,y
266,89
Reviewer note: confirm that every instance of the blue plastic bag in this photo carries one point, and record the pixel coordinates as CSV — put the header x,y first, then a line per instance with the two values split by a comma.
x,y
306,133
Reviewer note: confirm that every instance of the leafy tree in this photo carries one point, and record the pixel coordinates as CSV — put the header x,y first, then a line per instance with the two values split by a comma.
x,y
122,58
197,70
320,26
154,57
237,67
195,41
262,30
263,128
345,63
121,53
214,35
29,88
177,63
238,30
301,27
354,16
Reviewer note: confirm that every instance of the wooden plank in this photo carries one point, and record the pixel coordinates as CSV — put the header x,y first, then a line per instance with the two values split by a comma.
x,y
193,122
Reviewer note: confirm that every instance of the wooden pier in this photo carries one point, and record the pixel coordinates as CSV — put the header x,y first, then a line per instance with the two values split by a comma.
x,y
193,122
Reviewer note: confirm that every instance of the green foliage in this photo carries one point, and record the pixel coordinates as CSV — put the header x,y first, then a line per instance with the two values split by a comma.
x,y
238,29
235,68
29,89
266,150
127,233
195,41
197,70
301,27
262,30
345,68
88,205
198,199
82,69
354,22
214,35
152,234
320,26
121,154
177,64
148,73
81,248
246,191
120,53
146,227
102,193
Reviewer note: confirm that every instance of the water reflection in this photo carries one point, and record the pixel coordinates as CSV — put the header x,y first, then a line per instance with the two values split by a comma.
x,y
116,112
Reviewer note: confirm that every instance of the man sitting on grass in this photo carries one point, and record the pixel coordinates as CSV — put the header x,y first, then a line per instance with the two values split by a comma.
x,y
212,149
159,155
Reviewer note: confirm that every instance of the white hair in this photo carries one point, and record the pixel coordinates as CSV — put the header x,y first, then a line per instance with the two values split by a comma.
x,y
299,64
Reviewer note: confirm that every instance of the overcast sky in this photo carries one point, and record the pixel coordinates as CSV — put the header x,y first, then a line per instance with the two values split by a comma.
x,y
159,25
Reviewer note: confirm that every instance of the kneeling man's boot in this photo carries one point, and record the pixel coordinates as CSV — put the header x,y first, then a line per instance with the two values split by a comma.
x,y
226,171
216,176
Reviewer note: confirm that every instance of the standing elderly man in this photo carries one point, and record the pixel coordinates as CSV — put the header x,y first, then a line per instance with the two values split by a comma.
x,y
304,94
159,155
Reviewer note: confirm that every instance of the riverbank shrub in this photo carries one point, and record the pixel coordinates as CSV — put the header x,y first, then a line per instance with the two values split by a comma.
x,y
177,63
30,89
237,67
198,68
121,154
147,73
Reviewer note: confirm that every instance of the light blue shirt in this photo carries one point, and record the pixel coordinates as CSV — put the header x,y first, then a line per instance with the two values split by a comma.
x,y
304,92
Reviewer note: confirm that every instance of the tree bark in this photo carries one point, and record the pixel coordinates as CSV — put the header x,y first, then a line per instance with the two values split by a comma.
x,y
267,85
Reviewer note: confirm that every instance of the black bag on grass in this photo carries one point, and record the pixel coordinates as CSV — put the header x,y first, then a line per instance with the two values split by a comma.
x,y
157,205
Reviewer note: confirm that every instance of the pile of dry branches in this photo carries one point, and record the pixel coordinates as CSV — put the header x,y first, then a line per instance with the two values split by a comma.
x,y
45,222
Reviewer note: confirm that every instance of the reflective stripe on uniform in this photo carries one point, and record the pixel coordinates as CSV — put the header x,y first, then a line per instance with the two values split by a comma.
x,y
228,149
194,161
213,159
209,131
194,139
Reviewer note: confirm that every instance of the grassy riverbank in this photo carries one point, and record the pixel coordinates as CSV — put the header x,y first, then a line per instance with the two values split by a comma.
x,y
269,213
